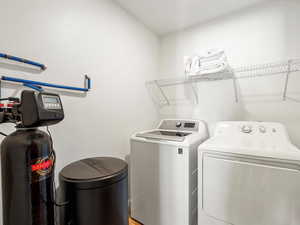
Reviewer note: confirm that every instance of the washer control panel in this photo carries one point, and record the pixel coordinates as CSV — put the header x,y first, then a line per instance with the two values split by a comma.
x,y
179,125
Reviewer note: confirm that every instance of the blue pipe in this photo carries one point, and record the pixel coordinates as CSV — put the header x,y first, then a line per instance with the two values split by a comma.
x,y
33,87
37,83
26,61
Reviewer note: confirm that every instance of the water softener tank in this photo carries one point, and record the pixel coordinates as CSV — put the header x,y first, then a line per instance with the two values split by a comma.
x,y
95,192
27,162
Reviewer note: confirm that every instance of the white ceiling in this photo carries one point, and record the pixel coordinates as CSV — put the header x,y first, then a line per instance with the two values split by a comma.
x,y
164,16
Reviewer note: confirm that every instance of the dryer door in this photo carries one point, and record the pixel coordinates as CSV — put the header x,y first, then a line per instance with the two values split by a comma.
x,y
244,191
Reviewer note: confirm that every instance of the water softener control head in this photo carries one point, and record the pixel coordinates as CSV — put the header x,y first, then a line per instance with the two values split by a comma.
x,y
39,109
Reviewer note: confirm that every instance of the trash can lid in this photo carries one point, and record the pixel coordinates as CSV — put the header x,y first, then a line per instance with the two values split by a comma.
x,y
94,172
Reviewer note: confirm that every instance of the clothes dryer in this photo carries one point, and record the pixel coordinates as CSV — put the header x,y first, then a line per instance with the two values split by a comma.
x,y
249,173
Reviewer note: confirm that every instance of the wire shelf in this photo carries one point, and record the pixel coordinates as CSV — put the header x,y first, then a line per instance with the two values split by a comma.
x,y
268,69
244,72
193,79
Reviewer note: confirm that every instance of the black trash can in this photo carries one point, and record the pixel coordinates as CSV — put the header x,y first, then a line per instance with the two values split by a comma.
x,y
94,191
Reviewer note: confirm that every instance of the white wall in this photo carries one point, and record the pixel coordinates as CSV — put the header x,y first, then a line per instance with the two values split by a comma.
x,y
78,37
260,34
97,38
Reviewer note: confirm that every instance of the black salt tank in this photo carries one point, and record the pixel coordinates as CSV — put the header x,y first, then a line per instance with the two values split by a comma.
x,y
95,192
27,161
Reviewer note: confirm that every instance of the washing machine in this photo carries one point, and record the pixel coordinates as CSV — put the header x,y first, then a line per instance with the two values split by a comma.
x,y
249,174
163,172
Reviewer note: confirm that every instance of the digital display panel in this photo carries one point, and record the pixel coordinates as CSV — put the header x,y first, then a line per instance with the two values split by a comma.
x,y
51,102
189,125
49,99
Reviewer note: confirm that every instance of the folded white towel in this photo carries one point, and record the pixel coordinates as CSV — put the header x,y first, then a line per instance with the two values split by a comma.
x,y
212,55
214,67
213,61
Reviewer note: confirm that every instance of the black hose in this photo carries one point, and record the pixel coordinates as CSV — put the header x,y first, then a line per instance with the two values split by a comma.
x,y
54,160
13,99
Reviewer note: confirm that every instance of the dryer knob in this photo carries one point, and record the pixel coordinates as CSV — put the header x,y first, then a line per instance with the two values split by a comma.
x,y
262,129
246,129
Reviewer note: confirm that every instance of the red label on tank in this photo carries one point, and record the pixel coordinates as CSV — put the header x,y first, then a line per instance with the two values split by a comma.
x,y
42,166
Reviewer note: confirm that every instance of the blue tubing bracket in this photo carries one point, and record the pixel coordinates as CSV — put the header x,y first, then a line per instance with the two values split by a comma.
x,y
88,82
36,85
26,61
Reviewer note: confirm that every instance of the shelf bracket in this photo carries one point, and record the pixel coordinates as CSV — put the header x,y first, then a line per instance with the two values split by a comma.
x,y
287,79
21,60
195,92
162,92
36,85
235,89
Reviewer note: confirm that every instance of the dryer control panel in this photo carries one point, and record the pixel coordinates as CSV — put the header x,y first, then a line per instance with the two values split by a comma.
x,y
245,127
253,133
